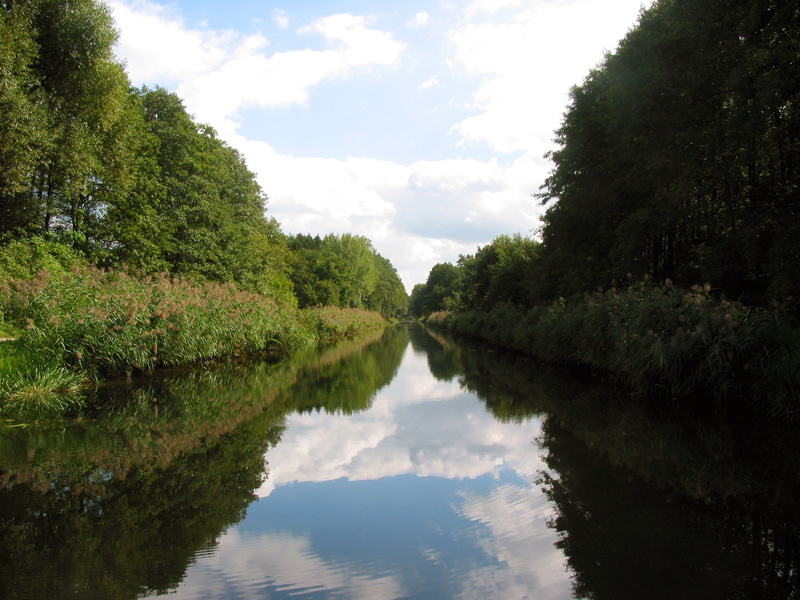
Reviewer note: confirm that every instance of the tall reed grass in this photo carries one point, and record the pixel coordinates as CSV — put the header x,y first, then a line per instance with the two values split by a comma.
x,y
90,323
677,343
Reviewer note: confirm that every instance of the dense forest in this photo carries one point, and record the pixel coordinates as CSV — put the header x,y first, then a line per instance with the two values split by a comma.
x,y
670,243
126,176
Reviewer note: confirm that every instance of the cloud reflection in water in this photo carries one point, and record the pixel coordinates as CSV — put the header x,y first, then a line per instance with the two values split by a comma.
x,y
425,494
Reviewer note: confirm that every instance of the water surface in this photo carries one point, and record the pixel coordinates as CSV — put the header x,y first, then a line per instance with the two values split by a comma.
x,y
409,466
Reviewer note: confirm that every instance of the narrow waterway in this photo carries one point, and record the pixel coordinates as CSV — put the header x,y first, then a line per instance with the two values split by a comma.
x,y
409,466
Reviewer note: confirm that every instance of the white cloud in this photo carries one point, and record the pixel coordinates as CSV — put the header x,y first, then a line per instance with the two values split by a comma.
x,y
528,65
420,19
280,19
159,48
429,83
217,73
361,46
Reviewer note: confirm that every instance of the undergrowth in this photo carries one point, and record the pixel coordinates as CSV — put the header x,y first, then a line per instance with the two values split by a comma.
x,y
658,339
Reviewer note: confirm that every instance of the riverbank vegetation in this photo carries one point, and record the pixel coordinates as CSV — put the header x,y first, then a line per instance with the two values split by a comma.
x,y
78,322
132,237
677,163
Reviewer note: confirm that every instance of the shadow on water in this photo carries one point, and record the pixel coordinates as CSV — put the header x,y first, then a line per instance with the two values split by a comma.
x,y
648,504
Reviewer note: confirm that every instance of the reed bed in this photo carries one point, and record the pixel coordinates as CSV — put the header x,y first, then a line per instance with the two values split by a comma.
x,y
86,323
659,339
331,324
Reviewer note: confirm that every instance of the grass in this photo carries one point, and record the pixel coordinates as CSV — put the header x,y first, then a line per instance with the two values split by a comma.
x,y
31,387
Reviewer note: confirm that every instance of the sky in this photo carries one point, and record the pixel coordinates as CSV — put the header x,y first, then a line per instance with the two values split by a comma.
x,y
422,126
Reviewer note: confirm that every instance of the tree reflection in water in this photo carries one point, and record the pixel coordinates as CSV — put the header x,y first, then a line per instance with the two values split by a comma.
x,y
647,504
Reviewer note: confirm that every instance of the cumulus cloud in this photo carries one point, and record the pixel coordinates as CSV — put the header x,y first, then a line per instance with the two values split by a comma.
x,y
528,65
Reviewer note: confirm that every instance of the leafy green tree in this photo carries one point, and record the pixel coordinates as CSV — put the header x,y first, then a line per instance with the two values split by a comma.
x,y
196,207
678,155
23,139
346,271
501,272
441,291
416,301
68,138
389,295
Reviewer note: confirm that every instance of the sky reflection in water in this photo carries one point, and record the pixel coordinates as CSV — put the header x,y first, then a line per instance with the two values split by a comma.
x,y
424,495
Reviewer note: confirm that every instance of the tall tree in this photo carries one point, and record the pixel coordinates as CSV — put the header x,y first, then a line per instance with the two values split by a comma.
x,y
23,127
678,155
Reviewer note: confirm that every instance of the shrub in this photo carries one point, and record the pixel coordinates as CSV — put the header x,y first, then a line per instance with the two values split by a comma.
x,y
678,343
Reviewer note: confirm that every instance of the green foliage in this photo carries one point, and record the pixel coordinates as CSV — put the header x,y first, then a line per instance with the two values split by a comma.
x,y
501,272
677,155
659,341
441,290
23,139
331,323
25,258
345,271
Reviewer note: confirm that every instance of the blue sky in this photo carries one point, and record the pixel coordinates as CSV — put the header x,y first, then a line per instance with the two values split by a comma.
x,y
420,125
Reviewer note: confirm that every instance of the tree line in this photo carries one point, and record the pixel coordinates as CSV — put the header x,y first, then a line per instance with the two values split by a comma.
x,y
126,176
678,158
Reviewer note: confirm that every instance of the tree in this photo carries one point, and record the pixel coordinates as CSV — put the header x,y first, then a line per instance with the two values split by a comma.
x,y
389,296
441,291
501,272
66,145
678,155
23,139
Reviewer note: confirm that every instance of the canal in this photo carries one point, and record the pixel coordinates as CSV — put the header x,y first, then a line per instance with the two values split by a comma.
x,y
411,465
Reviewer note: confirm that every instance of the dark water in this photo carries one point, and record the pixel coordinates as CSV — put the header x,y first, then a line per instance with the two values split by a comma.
x,y
410,466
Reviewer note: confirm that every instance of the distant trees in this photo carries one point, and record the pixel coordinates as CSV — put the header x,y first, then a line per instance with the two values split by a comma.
x,y
346,271
501,272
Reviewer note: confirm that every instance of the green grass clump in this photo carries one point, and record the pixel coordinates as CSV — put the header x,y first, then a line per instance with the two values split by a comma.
x,y
30,387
